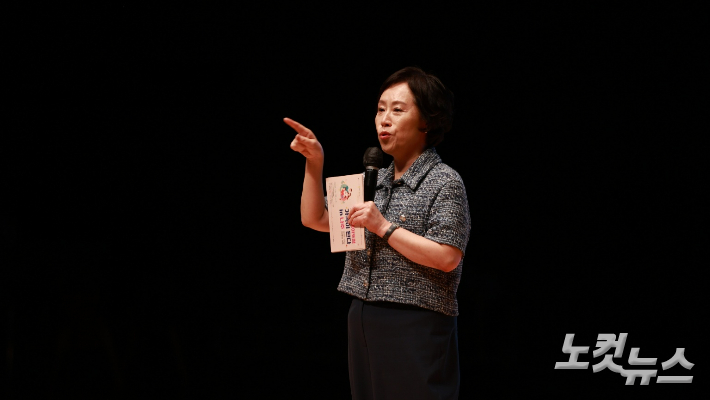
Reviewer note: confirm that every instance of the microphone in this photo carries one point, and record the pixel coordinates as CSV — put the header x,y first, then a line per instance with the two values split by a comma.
x,y
372,160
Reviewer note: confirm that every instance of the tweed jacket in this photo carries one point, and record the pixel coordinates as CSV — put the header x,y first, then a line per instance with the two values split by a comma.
x,y
428,200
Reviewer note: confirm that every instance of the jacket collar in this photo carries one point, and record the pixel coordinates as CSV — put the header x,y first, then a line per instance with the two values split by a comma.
x,y
416,172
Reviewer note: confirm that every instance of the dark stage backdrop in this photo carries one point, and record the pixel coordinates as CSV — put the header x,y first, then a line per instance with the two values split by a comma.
x,y
152,244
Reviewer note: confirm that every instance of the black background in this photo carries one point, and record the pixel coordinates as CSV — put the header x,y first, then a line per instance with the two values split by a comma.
x,y
152,244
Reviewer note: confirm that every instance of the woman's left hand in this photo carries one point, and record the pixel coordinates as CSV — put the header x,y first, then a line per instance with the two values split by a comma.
x,y
416,248
367,215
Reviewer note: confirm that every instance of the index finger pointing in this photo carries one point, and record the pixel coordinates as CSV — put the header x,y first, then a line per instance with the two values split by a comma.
x,y
302,130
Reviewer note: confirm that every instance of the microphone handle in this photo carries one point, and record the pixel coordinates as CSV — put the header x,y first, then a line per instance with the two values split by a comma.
x,y
370,184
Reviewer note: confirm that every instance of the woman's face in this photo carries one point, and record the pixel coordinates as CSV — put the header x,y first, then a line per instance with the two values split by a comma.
x,y
400,127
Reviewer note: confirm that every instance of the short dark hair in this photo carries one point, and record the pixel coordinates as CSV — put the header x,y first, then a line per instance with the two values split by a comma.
x,y
434,100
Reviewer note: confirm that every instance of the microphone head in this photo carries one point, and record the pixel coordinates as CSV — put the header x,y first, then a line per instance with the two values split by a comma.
x,y
372,158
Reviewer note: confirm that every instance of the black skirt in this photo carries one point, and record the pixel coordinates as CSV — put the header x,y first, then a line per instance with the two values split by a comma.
x,y
398,351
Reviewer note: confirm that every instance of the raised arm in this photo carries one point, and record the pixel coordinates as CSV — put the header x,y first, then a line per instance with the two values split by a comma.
x,y
313,211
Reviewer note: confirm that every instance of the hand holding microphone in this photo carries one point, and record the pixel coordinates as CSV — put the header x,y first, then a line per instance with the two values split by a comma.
x,y
367,215
372,160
